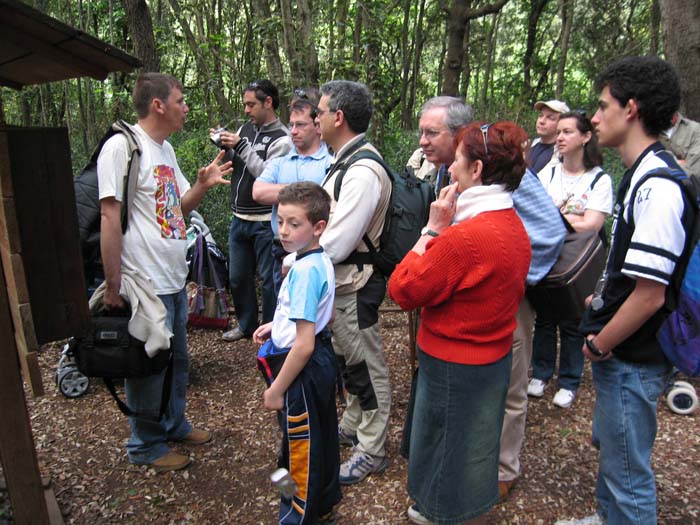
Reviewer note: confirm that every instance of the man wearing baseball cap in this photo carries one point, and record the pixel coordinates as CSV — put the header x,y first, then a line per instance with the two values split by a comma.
x,y
543,150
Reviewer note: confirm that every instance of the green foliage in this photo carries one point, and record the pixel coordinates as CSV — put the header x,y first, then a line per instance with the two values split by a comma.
x,y
228,52
194,150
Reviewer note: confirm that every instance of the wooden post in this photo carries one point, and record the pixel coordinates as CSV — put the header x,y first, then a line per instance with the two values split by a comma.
x,y
17,451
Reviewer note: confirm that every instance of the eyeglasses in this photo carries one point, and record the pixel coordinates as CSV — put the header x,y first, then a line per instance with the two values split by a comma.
x,y
581,112
430,133
485,134
300,93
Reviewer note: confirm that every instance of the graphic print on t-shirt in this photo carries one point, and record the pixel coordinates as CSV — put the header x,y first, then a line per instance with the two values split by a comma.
x,y
168,211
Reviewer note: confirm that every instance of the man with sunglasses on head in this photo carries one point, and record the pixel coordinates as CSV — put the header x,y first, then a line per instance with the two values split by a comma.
x,y
260,139
307,160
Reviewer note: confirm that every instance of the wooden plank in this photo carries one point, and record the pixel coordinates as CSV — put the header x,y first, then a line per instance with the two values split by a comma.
x,y
72,304
44,210
5,177
10,237
55,515
17,452
72,64
17,289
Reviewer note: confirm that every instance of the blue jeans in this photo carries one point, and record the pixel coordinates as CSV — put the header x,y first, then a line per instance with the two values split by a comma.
x,y
149,437
544,352
250,249
624,424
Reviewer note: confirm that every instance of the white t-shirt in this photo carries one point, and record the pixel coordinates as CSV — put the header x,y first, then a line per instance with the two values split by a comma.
x,y
659,236
307,293
155,242
573,194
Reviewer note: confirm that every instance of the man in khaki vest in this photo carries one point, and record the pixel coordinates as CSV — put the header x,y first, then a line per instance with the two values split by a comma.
x,y
343,116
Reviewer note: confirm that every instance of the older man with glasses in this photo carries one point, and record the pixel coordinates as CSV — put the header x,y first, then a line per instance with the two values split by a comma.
x,y
260,139
440,118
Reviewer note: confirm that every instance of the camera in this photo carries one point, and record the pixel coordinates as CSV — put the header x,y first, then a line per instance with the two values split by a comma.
x,y
216,137
284,482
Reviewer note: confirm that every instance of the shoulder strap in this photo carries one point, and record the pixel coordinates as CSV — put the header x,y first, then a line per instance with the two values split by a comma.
x,y
553,171
164,398
360,155
596,179
132,169
354,157
672,174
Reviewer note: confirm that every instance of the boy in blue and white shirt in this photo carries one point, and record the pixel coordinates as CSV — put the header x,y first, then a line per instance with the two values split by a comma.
x,y
298,361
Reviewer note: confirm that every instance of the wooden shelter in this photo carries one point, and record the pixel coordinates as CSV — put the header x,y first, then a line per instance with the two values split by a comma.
x,y
42,290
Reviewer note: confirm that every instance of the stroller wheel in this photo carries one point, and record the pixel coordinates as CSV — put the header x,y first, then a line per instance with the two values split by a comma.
x,y
682,384
683,401
72,383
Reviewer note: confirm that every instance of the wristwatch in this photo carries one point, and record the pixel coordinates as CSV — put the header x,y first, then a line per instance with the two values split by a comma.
x,y
592,348
428,231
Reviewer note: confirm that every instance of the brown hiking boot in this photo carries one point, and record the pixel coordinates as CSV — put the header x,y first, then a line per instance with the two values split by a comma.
x,y
171,461
197,437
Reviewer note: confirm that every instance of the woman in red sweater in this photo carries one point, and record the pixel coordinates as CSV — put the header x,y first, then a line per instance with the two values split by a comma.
x,y
467,272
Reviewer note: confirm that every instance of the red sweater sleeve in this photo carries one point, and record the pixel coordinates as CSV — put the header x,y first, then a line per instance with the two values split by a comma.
x,y
428,279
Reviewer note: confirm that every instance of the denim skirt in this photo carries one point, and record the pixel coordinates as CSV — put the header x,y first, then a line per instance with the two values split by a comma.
x,y
455,439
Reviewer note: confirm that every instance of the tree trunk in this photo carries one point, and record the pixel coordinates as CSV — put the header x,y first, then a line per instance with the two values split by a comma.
x,y
309,55
488,73
465,76
566,12
289,32
341,23
262,11
654,27
458,16
138,18
357,33
201,62
406,65
536,8
417,52
681,29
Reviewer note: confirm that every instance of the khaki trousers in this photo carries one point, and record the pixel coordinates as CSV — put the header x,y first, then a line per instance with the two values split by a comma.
x,y
513,432
358,346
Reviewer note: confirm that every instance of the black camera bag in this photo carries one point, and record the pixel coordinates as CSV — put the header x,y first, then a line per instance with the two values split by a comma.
x,y
110,352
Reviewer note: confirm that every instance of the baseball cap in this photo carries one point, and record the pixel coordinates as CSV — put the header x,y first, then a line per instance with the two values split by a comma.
x,y
554,105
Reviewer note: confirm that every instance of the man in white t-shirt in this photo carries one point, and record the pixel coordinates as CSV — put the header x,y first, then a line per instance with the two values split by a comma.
x,y
154,246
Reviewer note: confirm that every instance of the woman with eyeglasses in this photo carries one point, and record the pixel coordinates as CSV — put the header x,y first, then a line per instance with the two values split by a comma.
x,y
467,272
583,193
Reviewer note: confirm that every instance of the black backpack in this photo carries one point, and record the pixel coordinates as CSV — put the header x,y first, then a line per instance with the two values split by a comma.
x,y
407,214
679,334
87,195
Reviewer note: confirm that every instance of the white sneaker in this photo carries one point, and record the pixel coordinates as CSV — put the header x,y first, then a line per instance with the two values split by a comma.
x,y
593,519
536,387
359,466
564,398
416,517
